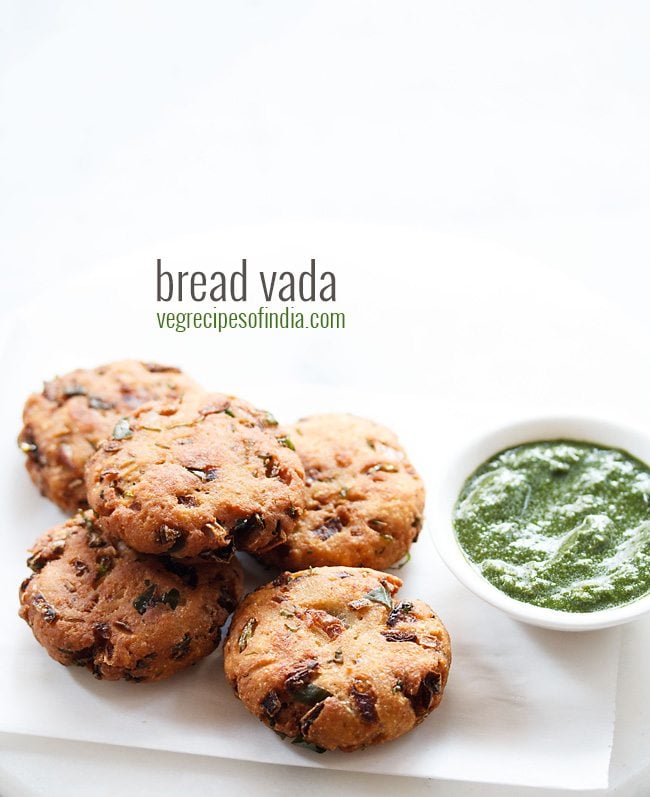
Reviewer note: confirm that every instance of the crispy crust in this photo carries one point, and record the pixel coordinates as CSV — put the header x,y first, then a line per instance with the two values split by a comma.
x,y
327,657
66,422
196,477
122,614
364,499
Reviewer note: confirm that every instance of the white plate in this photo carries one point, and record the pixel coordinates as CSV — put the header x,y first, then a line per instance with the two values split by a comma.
x,y
451,345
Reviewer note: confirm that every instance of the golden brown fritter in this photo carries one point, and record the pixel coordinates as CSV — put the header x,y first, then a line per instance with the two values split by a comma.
x,y
119,613
364,499
193,478
327,657
66,422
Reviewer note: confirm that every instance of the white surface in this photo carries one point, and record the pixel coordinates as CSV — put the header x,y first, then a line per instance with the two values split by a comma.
x,y
517,123
466,460
523,123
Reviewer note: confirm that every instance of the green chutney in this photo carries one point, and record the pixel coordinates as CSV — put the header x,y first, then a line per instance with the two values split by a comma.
x,y
559,524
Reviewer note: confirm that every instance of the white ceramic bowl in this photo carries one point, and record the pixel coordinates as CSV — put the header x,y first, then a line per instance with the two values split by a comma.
x,y
606,433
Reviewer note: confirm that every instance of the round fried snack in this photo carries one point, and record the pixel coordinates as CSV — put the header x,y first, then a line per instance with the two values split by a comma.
x,y
195,477
364,499
327,657
66,422
119,613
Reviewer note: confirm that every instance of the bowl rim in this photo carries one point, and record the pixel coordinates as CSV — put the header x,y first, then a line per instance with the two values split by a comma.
x,y
471,455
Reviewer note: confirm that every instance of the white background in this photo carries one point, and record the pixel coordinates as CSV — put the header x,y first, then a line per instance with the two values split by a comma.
x,y
514,124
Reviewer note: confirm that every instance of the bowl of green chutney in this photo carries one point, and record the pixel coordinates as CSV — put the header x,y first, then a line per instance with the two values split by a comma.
x,y
549,520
